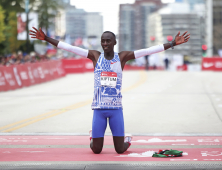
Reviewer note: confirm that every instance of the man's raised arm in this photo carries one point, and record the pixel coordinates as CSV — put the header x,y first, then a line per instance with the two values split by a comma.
x,y
128,55
39,34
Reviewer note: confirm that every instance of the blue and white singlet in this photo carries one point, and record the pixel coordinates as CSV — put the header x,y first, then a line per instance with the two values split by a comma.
x,y
107,96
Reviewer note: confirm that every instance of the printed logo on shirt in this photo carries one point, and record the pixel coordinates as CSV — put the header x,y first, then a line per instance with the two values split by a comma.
x,y
113,62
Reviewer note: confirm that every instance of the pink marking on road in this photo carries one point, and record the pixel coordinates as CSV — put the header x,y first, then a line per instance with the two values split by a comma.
x,y
84,140
108,154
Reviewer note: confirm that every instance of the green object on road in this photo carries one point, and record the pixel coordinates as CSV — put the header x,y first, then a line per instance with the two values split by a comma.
x,y
159,155
167,153
173,152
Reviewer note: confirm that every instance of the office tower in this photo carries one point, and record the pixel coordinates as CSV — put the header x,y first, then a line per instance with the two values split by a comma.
x,y
165,24
132,23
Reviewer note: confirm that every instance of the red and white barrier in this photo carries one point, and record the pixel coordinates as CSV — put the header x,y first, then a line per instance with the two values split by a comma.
x,y
212,64
182,68
77,65
17,76
83,65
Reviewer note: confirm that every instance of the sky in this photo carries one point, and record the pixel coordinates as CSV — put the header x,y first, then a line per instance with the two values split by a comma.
x,y
109,9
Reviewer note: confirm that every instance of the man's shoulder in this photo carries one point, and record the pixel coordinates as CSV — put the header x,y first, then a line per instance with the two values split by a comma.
x,y
125,53
95,51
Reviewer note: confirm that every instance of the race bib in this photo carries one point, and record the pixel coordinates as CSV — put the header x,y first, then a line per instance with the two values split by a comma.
x,y
108,79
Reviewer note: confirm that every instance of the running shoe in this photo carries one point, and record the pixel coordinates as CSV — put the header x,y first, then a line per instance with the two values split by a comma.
x,y
128,139
90,134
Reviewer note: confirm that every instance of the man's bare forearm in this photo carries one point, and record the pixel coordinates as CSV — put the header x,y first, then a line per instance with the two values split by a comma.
x,y
52,41
167,45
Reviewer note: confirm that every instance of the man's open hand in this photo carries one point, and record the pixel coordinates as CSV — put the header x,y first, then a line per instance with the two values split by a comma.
x,y
37,34
181,39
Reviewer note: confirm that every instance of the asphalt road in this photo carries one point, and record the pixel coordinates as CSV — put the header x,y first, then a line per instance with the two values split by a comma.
x,y
153,102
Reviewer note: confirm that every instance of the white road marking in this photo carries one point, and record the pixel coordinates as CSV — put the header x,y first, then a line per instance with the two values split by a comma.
x,y
6,152
144,154
33,151
179,159
155,140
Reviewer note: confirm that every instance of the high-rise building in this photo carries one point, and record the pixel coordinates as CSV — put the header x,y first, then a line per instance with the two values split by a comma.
x,y
78,24
165,24
75,22
132,23
126,27
217,26
94,30
94,25
213,27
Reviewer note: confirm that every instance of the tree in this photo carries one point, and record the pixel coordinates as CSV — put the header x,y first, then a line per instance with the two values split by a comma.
x,y
14,44
2,25
47,12
13,7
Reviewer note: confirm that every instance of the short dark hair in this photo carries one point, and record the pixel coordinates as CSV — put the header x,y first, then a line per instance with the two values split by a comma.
x,y
111,33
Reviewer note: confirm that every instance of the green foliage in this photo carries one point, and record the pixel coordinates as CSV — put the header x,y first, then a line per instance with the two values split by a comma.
x,y
2,24
12,32
47,12
12,5
46,9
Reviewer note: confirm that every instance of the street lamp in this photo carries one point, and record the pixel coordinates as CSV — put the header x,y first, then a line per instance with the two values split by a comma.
x,y
204,50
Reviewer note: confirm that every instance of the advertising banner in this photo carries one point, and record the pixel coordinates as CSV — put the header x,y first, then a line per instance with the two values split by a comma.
x,y
212,64
17,76
12,82
3,83
74,65
21,24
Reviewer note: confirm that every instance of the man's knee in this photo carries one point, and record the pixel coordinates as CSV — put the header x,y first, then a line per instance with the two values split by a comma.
x,y
97,150
119,150
96,145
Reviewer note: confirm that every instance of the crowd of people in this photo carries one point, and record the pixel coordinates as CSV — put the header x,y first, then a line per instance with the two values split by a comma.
x,y
21,58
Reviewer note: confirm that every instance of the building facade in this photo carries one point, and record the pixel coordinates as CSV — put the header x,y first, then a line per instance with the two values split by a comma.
x,y
217,26
132,23
94,25
78,27
77,24
168,21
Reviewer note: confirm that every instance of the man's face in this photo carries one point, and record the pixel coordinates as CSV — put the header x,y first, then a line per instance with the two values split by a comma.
x,y
107,42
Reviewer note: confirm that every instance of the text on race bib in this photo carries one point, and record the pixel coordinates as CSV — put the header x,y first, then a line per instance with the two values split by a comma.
x,y
108,79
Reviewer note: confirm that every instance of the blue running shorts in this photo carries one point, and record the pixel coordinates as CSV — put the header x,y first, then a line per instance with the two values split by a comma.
x,y
99,123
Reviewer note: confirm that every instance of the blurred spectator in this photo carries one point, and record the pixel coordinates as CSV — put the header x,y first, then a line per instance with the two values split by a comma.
x,y
147,62
27,58
14,59
7,60
20,59
166,62
33,57
43,57
2,60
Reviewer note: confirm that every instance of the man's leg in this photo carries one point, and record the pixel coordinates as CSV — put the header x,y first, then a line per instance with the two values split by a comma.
x,y
116,124
120,145
96,144
98,129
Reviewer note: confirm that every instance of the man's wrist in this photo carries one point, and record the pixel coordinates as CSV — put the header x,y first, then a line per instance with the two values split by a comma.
x,y
174,43
45,38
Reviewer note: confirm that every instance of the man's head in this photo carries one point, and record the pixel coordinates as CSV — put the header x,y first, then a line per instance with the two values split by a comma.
x,y
108,40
